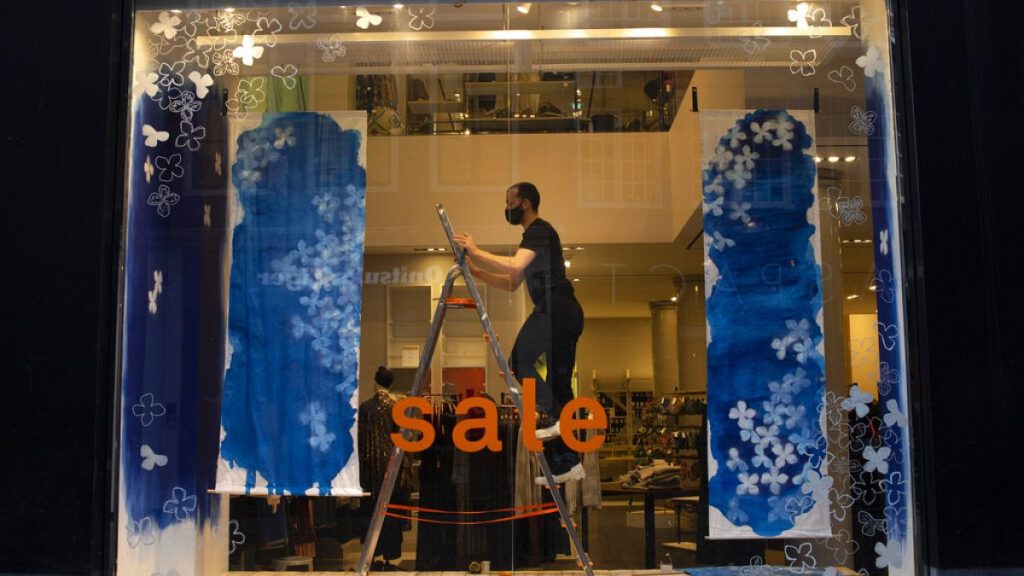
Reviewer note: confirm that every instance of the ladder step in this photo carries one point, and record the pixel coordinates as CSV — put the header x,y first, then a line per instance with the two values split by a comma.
x,y
459,303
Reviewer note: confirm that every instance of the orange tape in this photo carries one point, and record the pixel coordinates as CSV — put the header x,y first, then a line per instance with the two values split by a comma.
x,y
527,508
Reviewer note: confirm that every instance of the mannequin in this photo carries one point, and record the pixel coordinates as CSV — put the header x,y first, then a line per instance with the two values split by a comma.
x,y
375,428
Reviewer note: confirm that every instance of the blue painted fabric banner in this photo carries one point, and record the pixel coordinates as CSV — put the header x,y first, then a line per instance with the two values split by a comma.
x,y
288,417
766,371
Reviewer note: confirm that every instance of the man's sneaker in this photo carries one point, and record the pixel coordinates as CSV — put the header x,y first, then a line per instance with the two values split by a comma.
x,y
574,473
549,433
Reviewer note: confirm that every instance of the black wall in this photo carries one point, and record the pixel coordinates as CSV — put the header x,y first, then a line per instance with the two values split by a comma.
x,y
59,122
60,212
965,66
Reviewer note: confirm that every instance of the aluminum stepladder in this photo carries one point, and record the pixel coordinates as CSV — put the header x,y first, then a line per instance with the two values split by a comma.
x,y
390,476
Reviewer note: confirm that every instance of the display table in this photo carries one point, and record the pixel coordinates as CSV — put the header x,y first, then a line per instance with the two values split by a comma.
x,y
650,496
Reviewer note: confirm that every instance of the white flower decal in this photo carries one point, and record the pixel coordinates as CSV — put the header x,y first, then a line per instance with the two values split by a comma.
x,y
151,459
202,82
890,554
858,401
756,44
303,15
844,76
181,505
739,211
184,103
141,532
421,17
801,556
818,22
364,19
802,62
798,15
871,62
721,242
198,53
332,48
863,123
284,137
286,74
850,213
877,459
169,74
248,51
148,170
742,414
883,242
237,538
154,136
775,480
748,484
266,31
224,63
145,82
148,409
894,417
853,22
714,206
166,25
169,167
190,136
163,199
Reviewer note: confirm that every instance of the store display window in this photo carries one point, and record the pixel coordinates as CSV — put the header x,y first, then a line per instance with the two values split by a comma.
x,y
682,224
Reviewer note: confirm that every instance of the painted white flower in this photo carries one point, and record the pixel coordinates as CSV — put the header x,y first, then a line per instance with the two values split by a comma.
x,y
803,350
797,417
797,379
883,247
141,532
858,401
250,91
166,25
196,52
148,169
762,132
775,480
303,15
248,51
284,137
783,133
723,157
798,15
738,176
236,537
818,22
735,514
169,167
736,136
715,187
871,62
181,505
748,484
148,409
760,459
227,21
746,157
844,76
802,62
784,454
742,413
894,417
877,459
364,19
769,435
890,554
850,211
715,206
202,82
224,63
721,242
184,103
738,211
774,413
735,462
170,74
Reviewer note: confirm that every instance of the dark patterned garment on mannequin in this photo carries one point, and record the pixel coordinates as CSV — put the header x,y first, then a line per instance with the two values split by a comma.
x,y
375,428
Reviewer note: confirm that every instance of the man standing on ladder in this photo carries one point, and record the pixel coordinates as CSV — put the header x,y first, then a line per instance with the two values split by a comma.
x,y
545,348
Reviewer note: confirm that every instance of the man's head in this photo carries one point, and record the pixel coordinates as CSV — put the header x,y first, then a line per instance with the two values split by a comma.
x,y
521,200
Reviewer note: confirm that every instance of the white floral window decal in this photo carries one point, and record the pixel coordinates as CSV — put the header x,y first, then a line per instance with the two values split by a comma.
x,y
166,25
331,48
190,137
180,505
421,17
802,62
163,199
303,15
248,52
169,167
147,409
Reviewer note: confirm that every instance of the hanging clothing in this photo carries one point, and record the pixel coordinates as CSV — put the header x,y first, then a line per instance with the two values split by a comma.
x,y
375,428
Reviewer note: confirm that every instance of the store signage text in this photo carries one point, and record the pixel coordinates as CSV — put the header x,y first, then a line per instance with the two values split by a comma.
x,y
403,413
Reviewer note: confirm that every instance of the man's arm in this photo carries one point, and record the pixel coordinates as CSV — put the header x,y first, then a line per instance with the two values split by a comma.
x,y
502,281
501,266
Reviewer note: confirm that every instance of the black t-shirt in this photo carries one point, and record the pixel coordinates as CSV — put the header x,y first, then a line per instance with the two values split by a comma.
x,y
545,276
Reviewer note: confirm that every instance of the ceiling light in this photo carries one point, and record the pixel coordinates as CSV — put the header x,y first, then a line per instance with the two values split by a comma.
x,y
524,8
656,7
575,279
833,158
873,287
229,10
817,159
399,6
850,158
853,296
175,11
568,264
674,298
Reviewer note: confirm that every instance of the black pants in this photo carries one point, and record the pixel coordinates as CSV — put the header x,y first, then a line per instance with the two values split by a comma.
x,y
545,350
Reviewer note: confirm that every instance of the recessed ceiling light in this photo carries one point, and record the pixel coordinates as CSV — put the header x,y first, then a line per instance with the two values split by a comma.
x,y
524,8
175,11
853,296
873,287
817,159
399,6
850,158
229,10
833,158
674,298
656,7
575,279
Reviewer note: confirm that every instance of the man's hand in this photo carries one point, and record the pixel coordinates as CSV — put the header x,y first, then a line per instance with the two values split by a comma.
x,y
467,243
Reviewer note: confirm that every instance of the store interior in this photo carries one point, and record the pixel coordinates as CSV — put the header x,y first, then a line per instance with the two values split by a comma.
x,y
598,104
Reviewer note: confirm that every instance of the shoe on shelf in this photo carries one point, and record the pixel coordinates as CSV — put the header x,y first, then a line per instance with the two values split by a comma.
x,y
549,433
574,473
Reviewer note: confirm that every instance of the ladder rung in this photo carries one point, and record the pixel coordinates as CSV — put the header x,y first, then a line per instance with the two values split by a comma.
x,y
459,303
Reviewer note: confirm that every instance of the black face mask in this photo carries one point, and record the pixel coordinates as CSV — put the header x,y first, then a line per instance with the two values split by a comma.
x,y
514,215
